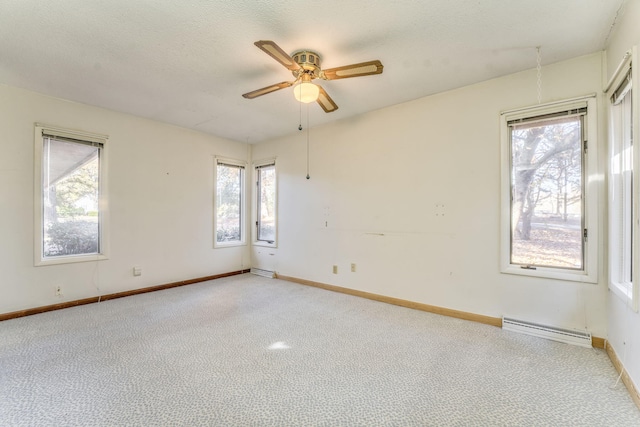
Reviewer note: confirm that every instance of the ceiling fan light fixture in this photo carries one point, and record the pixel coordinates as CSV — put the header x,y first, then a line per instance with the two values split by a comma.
x,y
306,92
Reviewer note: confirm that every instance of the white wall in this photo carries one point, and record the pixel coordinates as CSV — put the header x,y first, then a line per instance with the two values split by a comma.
x,y
623,322
385,172
160,203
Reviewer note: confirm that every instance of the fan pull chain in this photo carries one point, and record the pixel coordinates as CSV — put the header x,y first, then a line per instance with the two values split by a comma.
x,y
300,105
539,73
308,142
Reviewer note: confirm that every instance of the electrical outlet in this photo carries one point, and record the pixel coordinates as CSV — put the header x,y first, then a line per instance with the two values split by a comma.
x,y
353,267
57,290
137,271
335,269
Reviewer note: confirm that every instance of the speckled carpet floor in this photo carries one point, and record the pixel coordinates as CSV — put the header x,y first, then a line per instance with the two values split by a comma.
x,y
251,351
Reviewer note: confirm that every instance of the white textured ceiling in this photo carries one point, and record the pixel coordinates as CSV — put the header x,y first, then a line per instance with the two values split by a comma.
x,y
188,62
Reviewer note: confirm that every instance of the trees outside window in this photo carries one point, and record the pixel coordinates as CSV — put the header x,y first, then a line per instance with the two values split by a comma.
x,y
547,187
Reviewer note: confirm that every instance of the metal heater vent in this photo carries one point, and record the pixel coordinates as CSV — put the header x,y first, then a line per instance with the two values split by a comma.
x,y
569,336
263,273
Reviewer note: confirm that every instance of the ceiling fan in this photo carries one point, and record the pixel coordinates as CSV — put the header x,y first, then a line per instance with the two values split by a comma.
x,y
305,66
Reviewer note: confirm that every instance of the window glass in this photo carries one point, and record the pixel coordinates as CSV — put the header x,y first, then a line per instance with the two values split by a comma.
x,y
621,190
547,193
229,206
70,197
266,215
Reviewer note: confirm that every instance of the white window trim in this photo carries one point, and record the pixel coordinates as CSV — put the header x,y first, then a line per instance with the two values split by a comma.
x,y
620,73
254,210
39,259
243,207
591,184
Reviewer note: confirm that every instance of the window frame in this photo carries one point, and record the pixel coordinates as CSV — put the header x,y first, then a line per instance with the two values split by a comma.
x,y
629,292
256,210
589,271
243,202
103,215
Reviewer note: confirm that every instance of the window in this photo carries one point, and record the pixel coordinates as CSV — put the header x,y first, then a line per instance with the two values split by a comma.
x,y
549,207
229,202
70,220
266,203
621,194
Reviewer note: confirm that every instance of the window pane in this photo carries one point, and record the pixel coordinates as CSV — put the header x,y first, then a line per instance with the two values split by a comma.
x,y
547,187
621,194
266,203
70,194
229,203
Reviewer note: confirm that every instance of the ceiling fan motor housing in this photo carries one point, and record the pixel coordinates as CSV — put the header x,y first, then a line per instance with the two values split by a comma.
x,y
309,61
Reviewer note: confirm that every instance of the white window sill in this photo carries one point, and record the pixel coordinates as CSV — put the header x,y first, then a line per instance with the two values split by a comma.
x,y
550,273
228,244
265,244
70,259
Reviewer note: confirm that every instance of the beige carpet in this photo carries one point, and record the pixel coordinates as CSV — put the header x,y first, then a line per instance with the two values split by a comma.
x,y
252,351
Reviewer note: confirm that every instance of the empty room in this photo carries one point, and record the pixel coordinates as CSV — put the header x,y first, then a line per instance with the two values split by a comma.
x,y
295,213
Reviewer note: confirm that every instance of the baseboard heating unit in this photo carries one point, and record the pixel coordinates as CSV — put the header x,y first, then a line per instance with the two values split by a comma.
x,y
569,336
263,273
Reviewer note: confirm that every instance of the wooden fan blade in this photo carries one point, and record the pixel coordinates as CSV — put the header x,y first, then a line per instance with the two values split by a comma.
x,y
325,101
266,90
274,51
354,70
